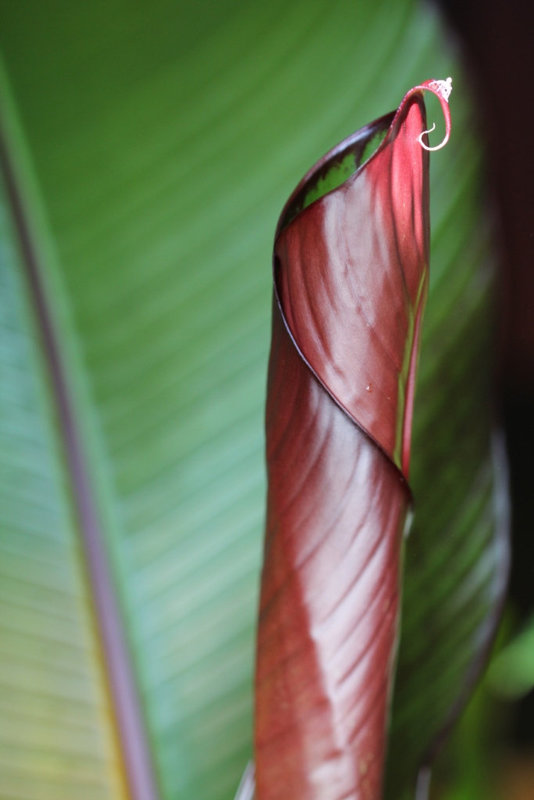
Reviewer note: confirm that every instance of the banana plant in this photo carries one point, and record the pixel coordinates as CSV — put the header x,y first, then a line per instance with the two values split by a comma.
x,y
146,152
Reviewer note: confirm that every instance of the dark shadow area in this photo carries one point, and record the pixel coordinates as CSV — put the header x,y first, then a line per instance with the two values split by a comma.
x,y
498,51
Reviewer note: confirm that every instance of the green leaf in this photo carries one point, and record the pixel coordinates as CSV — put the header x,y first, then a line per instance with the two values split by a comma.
x,y
162,140
56,738
511,674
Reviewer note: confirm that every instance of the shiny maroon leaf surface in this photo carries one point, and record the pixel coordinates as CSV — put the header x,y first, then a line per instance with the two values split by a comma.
x,y
351,272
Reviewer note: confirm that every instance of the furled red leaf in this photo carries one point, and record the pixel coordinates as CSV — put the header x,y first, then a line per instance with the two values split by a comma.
x,y
350,283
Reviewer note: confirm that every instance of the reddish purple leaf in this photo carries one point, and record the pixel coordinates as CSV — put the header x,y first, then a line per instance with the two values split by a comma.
x,y
350,283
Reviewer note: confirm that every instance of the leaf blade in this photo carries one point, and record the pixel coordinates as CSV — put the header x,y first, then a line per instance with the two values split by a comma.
x,y
141,128
350,271
57,734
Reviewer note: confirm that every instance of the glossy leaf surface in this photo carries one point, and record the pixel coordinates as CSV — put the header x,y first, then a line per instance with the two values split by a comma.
x,y
351,274
160,140
350,281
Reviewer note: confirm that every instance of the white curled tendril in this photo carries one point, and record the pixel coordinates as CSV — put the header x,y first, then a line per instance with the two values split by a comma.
x,y
443,89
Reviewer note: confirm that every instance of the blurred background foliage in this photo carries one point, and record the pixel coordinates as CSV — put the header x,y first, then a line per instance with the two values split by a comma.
x,y
154,145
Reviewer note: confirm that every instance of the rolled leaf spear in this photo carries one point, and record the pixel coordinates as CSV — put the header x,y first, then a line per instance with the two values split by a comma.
x,y
350,282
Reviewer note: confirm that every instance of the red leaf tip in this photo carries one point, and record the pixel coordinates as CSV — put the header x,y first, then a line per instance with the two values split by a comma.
x,y
442,89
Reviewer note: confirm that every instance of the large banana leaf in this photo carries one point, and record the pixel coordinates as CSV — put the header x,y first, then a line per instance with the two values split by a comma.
x,y
152,146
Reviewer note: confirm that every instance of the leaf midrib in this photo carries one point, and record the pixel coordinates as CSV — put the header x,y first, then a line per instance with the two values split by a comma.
x,y
128,715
